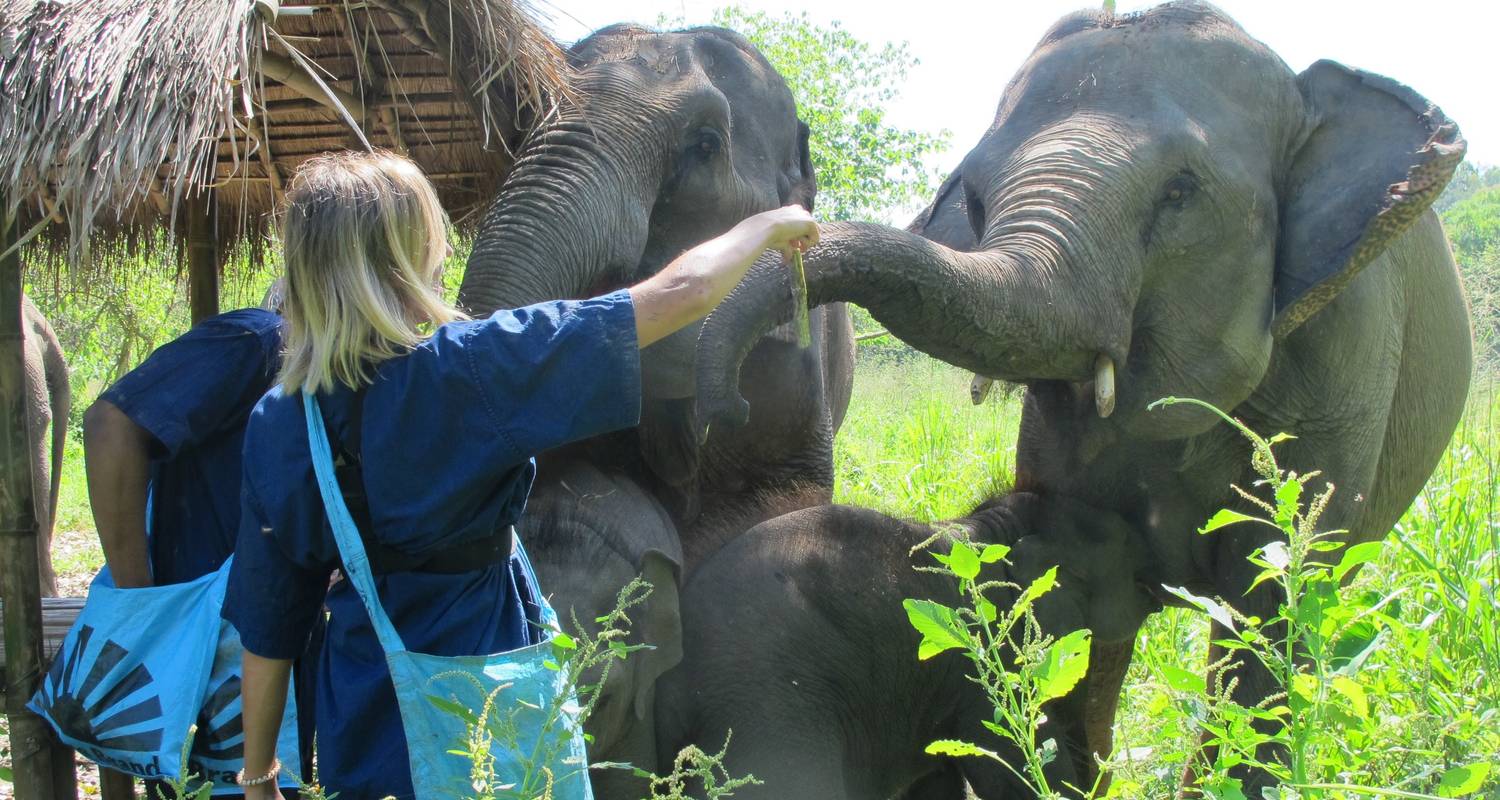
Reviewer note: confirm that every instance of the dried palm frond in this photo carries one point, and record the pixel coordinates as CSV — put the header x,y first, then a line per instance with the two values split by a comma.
x,y
113,111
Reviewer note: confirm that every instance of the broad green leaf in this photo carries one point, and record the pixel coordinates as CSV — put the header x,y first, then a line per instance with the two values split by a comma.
x,y
449,707
1213,608
939,625
987,610
963,561
1226,789
562,641
1039,587
993,553
1225,517
954,747
1355,555
1181,679
1460,781
1288,496
1063,665
1354,693
1305,687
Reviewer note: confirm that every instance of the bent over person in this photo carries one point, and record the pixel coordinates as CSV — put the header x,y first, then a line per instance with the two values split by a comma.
x,y
162,454
443,415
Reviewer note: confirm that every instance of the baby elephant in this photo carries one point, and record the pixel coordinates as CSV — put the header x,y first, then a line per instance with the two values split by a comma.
x,y
795,639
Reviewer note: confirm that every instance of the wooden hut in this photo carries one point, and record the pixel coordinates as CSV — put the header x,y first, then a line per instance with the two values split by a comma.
x,y
128,123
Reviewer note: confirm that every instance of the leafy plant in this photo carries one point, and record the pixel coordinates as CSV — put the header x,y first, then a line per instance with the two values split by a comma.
x,y
1316,645
492,732
1020,667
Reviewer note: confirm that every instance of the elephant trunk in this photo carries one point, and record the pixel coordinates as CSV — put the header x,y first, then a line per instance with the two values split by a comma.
x,y
573,217
994,312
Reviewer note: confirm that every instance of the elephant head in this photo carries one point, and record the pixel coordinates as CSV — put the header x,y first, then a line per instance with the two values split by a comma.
x,y
676,137
589,533
1158,203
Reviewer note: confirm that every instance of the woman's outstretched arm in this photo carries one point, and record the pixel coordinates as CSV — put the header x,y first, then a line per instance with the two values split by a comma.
x,y
698,280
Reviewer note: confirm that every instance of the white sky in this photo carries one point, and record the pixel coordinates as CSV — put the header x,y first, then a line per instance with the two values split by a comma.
x,y
1448,50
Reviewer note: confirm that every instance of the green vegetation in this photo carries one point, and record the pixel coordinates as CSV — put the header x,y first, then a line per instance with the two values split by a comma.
x,y
1405,697
1473,224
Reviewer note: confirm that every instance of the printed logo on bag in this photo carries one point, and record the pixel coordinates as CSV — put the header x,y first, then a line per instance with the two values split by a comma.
x,y
221,727
219,749
124,717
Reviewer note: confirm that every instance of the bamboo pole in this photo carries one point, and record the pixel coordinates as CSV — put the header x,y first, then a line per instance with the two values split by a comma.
x,y
203,256
267,158
32,748
288,73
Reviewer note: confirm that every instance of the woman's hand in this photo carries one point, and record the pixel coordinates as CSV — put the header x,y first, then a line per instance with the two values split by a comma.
x,y
698,280
783,229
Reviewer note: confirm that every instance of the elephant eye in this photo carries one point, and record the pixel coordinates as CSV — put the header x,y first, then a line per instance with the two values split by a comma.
x,y
708,141
1179,189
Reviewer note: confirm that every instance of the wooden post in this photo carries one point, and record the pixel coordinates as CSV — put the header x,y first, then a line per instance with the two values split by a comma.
x,y
115,785
32,748
203,255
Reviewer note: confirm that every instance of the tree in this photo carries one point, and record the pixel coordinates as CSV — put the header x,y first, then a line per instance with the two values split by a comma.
x,y
1473,225
867,168
1468,179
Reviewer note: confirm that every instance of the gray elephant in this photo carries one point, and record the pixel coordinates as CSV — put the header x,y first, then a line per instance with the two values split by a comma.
x,y
676,137
796,641
46,398
589,533
1162,208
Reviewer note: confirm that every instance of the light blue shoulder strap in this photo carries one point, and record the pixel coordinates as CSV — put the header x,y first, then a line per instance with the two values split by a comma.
x,y
345,534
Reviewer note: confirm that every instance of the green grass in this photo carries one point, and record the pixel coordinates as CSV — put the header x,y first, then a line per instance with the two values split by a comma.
x,y
913,444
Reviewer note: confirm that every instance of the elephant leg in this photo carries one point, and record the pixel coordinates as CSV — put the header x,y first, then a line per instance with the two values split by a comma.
x,y
1108,664
39,420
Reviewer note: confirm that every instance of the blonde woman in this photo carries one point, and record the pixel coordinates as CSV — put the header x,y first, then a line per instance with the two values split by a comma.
x,y
443,415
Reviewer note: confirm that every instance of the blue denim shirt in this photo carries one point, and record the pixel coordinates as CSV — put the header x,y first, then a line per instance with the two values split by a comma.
x,y
194,395
448,435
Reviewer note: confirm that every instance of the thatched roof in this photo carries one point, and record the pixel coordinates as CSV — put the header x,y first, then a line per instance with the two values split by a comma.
x,y
115,114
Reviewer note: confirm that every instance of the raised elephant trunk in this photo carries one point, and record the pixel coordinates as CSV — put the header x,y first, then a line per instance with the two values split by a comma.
x,y
573,217
995,312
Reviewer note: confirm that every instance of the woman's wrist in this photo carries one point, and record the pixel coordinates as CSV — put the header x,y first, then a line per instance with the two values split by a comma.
x,y
256,776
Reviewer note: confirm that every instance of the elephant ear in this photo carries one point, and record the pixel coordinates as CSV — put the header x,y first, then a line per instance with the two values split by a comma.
x,y
801,184
659,625
952,219
1376,156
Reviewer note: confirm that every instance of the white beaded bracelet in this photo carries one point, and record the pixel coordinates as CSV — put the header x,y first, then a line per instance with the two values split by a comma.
x,y
239,777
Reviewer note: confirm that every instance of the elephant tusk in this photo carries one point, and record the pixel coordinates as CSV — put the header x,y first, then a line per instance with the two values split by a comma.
x,y
979,388
1104,385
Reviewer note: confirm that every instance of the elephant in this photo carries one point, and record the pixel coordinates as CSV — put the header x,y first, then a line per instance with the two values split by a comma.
x,y
46,399
1163,208
675,138
588,533
797,646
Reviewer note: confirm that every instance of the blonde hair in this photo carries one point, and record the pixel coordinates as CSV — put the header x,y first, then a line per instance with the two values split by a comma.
x,y
364,237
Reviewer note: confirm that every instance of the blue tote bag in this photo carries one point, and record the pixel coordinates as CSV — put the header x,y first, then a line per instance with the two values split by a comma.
x,y
123,689
426,684
139,668
218,752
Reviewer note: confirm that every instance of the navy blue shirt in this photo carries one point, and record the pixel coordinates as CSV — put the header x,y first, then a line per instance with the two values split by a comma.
x,y
447,440
194,395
